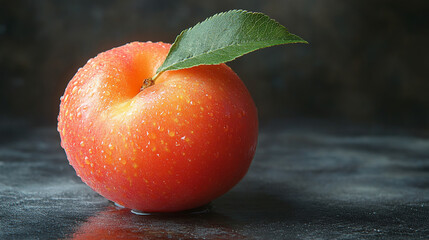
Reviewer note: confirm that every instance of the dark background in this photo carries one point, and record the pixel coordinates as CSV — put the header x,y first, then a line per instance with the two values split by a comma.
x,y
367,61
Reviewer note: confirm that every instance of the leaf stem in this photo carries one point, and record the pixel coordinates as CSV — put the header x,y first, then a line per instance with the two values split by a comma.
x,y
156,76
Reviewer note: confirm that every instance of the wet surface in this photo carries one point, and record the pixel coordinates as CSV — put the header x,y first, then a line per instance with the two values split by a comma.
x,y
307,181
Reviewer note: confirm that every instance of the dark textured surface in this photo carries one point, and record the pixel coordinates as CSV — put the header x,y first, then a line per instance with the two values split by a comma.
x,y
307,181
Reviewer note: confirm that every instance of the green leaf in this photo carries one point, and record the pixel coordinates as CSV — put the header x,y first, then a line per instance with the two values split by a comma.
x,y
224,37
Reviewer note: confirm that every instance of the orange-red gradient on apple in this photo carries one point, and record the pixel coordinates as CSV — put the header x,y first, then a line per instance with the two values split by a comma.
x,y
175,145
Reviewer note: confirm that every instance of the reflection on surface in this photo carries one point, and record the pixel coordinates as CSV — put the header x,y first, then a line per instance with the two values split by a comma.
x,y
236,215
120,223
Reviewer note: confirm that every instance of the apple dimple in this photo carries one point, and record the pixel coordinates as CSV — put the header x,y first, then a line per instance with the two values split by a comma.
x,y
175,145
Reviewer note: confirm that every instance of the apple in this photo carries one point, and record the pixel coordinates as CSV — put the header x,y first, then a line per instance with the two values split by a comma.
x,y
175,145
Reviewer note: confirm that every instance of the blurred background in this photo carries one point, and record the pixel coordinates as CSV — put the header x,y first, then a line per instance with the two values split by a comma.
x,y
367,61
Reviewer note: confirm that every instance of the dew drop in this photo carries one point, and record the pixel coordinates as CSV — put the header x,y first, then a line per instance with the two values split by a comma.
x,y
226,128
86,160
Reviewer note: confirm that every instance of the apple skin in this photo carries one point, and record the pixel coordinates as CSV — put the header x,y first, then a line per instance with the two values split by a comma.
x,y
173,146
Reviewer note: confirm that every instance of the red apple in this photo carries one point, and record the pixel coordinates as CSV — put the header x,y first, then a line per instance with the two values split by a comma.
x,y
175,145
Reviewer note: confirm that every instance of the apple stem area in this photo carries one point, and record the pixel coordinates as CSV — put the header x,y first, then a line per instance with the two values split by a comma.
x,y
149,81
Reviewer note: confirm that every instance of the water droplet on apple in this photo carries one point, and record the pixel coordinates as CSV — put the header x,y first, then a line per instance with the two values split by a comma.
x,y
226,128
86,160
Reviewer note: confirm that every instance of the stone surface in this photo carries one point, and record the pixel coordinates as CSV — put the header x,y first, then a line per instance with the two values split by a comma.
x,y
308,181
